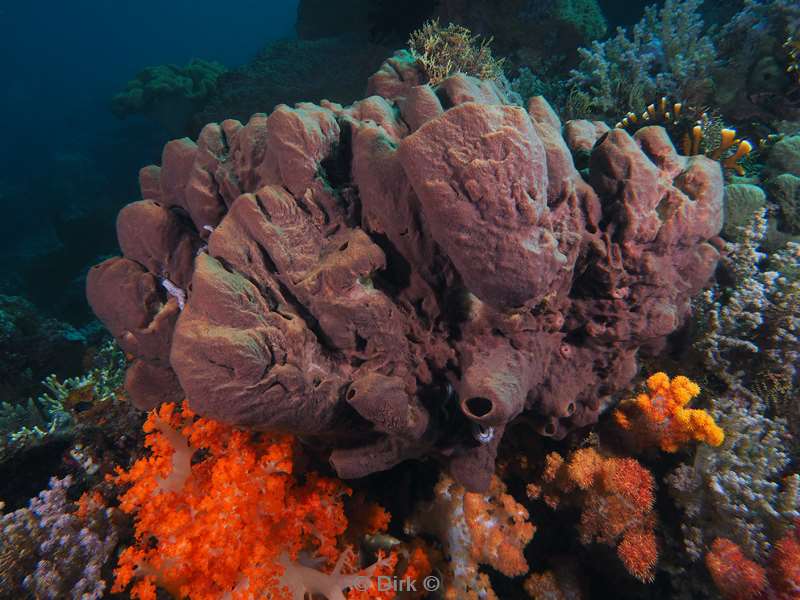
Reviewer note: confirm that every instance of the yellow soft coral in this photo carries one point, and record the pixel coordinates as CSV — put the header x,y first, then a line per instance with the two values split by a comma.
x,y
661,418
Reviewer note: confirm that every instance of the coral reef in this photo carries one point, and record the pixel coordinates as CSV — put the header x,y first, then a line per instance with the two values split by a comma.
x,y
753,84
616,498
475,529
168,93
53,412
755,318
407,275
56,548
235,522
541,34
696,131
742,201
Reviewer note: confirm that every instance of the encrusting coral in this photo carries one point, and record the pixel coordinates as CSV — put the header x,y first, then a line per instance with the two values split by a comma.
x,y
616,498
475,529
661,418
405,276
236,523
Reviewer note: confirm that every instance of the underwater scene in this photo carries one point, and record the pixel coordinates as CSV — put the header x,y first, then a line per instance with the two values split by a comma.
x,y
374,300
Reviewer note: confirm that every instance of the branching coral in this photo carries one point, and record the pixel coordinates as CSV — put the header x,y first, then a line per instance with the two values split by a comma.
x,y
667,52
661,417
53,412
475,529
616,498
444,51
758,315
56,548
738,491
235,522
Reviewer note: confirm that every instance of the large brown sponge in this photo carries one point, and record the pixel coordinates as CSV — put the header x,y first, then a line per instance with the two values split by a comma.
x,y
405,276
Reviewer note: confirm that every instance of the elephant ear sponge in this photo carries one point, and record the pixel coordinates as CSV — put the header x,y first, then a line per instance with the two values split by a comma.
x,y
661,418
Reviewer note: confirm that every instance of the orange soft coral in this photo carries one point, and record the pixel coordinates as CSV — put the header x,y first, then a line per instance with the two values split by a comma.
x,y
661,418
475,529
615,496
232,522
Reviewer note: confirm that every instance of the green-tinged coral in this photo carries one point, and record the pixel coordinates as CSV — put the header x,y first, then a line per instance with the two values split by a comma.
x,y
584,15
54,411
784,157
443,51
742,201
785,190
168,93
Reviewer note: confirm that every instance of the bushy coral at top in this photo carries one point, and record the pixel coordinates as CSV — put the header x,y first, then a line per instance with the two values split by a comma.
x,y
168,93
236,523
660,417
445,50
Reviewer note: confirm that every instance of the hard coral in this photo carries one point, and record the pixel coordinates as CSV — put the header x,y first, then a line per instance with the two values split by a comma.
x,y
234,522
615,497
56,548
405,276
666,52
661,417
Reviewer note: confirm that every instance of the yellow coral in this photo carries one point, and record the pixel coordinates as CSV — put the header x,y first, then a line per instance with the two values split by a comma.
x,y
443,51
660,417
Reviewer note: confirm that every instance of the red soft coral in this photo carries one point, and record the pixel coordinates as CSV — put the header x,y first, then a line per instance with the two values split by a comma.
x,y
230,522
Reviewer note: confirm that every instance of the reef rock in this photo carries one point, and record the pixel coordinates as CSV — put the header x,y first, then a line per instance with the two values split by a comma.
x,y
407,275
